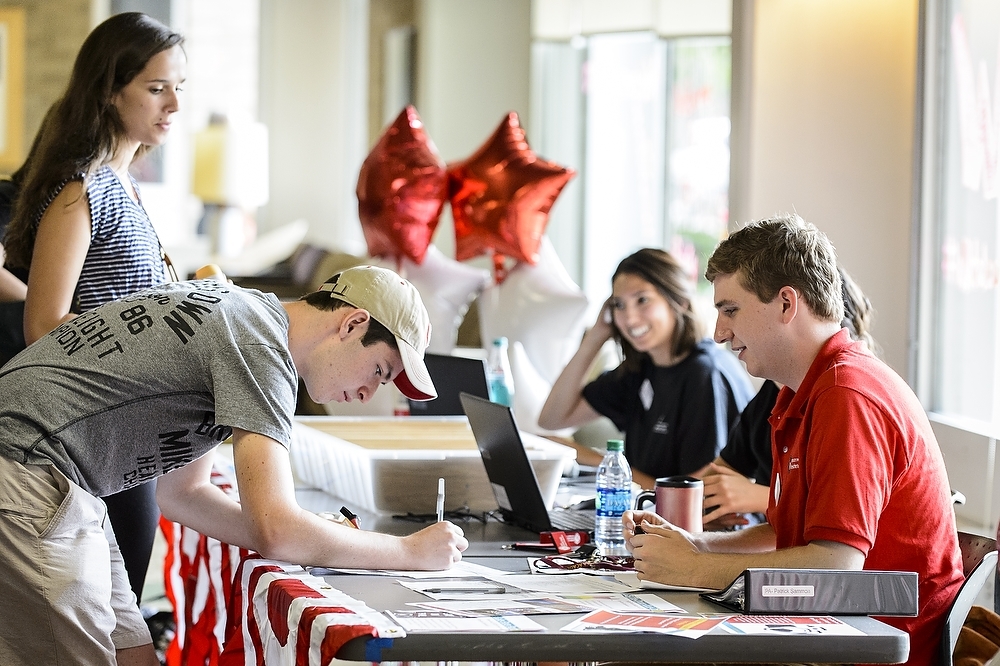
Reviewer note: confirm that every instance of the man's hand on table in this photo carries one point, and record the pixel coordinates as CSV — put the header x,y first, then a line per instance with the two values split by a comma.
x,y
662,552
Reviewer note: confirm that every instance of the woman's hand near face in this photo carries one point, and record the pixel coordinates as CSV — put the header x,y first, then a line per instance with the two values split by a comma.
x,y
603,327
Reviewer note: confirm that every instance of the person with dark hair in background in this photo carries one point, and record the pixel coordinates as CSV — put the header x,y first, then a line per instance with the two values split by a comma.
x,y
675,395
858,480
12,285
13,281
79,226
148,386
736,484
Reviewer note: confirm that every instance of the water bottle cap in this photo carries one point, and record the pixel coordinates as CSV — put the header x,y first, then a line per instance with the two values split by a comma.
x,y
500,342
616,445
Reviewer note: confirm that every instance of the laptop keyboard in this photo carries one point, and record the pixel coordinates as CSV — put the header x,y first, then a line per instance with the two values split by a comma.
x,y
572,520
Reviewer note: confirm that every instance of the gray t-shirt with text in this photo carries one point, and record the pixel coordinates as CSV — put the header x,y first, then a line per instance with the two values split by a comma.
x,y
138,387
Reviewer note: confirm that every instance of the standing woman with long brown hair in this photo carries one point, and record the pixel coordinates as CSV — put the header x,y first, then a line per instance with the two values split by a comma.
x,y
79,225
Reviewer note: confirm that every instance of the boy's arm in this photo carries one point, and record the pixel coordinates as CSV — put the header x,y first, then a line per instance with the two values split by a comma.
x,y
188,496
271,522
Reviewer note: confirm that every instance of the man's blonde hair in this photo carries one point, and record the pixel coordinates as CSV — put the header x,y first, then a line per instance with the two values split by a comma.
x,y
785,250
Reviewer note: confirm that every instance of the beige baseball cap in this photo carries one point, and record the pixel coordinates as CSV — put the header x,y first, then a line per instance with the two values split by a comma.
x,y
394,303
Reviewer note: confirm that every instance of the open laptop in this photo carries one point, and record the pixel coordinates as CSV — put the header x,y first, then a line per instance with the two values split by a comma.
x,y
509,470
451,375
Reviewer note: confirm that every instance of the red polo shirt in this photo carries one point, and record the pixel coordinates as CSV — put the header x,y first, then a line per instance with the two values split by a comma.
x,y
856,462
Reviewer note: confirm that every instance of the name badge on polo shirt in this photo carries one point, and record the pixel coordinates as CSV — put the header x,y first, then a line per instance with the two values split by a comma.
x,y
646,395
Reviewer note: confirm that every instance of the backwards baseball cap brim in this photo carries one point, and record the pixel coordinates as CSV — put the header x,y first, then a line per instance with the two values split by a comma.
x,y
396,304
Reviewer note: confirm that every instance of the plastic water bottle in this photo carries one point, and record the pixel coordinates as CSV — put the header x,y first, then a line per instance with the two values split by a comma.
x,y
498,375
614,497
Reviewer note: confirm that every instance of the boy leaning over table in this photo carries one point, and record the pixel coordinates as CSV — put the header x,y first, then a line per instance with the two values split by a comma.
x,y
858,480
147,386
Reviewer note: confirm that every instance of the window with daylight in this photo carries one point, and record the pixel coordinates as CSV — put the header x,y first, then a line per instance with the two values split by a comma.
x,y
960,299
644,119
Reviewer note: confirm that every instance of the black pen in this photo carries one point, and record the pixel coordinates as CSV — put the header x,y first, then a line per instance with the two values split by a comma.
x,y
466,590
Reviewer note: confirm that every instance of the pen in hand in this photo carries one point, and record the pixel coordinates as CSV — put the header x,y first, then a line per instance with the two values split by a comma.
x,y
440,500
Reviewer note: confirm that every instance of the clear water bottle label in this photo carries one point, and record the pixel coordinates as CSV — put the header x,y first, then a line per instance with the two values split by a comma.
x,y
613,502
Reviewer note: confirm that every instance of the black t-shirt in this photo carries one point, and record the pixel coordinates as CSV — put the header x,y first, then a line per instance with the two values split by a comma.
x,y
11,313
8,191
676,419
749,448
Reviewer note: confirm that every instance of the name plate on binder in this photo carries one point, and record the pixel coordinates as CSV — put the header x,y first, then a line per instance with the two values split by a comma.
x,y
820,592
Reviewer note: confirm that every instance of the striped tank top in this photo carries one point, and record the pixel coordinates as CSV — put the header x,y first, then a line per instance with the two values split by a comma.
x,y
124,255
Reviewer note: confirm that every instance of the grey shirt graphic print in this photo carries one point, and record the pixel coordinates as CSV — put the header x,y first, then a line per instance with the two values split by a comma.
x,y
138,387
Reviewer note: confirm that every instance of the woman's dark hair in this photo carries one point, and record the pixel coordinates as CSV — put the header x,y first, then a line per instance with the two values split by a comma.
x,y
82,130
660,269
858,312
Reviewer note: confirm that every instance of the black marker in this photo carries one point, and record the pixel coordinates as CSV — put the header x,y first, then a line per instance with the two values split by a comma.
x,y
351,517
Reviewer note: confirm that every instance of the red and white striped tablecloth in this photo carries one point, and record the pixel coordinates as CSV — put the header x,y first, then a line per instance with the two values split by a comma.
x,y
280,615
233,607
197,579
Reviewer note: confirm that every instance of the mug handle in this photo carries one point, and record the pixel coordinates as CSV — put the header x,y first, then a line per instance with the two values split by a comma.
x,y
643,497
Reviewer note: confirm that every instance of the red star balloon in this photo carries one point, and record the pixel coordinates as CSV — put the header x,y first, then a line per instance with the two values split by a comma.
x,y
501,196
402,188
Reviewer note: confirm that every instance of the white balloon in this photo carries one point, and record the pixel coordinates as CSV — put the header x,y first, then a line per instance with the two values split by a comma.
x,y
530,393
447,288
539,306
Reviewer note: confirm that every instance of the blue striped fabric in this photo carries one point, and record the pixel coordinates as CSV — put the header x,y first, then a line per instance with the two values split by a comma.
x,y
124,254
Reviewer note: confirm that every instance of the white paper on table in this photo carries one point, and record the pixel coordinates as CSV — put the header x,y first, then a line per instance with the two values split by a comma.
x,y
530,604
687,626
460,570
624,603
442,621
630,578
785,625
579,583
521,604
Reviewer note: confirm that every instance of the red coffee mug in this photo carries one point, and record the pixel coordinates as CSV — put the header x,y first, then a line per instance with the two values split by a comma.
x,y
678,500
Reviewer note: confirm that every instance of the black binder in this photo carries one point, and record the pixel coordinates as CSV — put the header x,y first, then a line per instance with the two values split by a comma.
x,y
820,592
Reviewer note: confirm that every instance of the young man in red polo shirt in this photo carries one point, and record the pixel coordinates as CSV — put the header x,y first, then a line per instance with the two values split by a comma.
x,y
858,480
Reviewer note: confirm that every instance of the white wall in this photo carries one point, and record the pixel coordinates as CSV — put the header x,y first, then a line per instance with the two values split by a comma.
x,y
473,67
473,58
831,110
313,98
831,134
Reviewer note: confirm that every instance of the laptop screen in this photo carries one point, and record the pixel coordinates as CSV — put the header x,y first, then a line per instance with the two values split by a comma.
x,y
451,375
507,466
